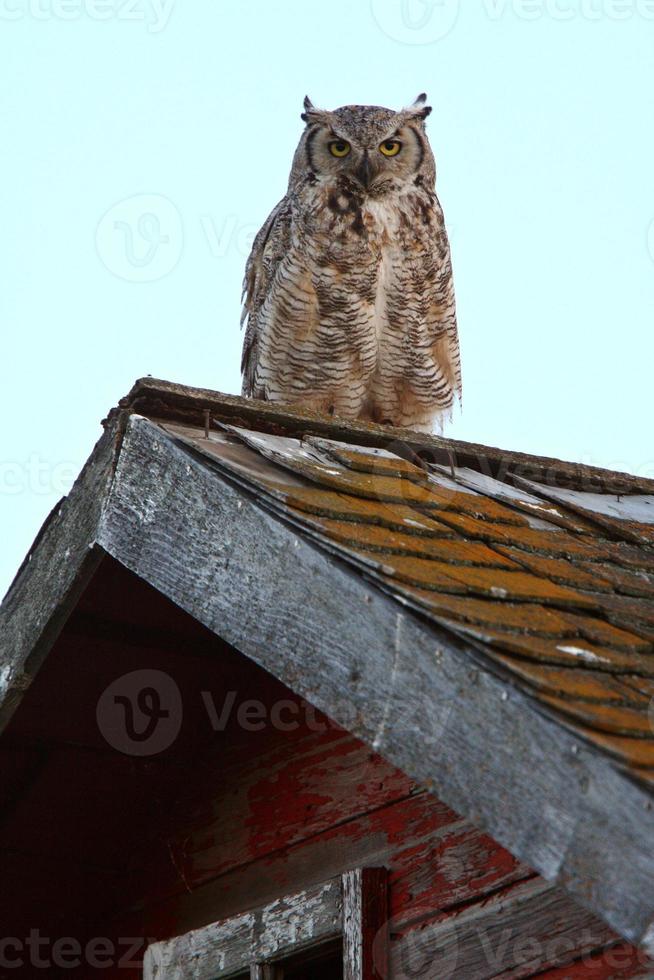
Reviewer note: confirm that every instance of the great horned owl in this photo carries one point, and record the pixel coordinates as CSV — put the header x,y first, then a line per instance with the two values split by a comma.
x,y
349,298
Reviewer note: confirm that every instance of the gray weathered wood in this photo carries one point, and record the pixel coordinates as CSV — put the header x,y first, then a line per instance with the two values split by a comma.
x,y
224,949
50,580
354,905
365,924
417,694
262,971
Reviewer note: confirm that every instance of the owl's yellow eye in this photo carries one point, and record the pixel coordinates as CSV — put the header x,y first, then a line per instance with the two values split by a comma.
x,y
390,148
339,148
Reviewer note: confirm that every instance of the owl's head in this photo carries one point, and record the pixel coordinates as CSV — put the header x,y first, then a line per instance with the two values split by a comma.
x,y
379,149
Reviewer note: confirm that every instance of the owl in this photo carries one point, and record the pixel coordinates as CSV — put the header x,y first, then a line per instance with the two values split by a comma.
x,y
348,292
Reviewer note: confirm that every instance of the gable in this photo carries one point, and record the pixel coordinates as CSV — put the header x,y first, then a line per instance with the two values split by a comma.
x,y
497,658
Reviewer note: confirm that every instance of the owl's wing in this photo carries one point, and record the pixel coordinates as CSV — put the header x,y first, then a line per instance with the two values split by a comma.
x,y
268,250
447,343
440,315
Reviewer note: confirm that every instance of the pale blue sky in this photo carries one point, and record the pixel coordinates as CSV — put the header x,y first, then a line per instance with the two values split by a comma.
x,y
180,117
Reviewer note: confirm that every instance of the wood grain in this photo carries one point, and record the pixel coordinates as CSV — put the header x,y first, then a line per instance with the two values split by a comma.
x,y
46,587
365,924
532,927
231,857
354,906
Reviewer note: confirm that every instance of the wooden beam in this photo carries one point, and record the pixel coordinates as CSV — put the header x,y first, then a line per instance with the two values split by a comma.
x,y
48,584
365,924
354,907
262,971
280,929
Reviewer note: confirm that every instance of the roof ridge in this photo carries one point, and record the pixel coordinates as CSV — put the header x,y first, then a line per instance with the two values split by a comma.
x,y
156,398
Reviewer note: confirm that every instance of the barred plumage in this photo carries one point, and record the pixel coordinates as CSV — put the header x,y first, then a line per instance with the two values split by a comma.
x,y
349,297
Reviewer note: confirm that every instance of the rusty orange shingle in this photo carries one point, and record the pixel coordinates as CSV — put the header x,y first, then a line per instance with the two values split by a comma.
x,y
616,719
384,540
559,570
340,506
574,682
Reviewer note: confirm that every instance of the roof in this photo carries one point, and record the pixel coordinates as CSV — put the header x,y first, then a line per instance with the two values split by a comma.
x,y
485,620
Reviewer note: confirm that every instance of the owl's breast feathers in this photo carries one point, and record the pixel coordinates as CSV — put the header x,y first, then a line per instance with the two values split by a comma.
x,y
350,305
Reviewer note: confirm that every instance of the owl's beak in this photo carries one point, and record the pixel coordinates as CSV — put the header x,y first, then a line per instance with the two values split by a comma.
x,y
364,170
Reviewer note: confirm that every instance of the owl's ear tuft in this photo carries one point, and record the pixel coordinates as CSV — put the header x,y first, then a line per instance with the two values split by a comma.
x,y
309,110
419,109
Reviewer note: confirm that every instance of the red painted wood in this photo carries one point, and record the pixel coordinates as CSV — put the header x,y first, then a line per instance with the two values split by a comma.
x,y
311,810
95,844
619,962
